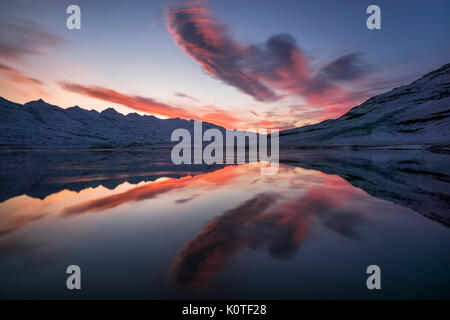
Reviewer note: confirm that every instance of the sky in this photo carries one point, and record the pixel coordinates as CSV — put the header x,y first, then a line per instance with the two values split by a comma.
x,y
241,64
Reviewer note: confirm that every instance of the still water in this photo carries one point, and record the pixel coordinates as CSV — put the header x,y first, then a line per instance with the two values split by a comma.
x,y
142,228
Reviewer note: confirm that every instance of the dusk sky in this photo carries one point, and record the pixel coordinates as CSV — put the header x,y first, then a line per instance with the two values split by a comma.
x,y
241,64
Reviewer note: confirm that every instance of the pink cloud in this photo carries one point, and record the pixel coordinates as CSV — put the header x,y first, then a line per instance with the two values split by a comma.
x,y
17,76
267,71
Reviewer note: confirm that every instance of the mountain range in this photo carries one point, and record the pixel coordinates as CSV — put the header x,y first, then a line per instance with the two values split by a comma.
x,y
417,114
39,124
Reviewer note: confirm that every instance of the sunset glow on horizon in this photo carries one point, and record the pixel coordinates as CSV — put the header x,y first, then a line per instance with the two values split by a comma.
x,y
244,65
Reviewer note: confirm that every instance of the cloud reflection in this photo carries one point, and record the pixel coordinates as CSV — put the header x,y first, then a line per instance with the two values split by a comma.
x,y
152,190
269,222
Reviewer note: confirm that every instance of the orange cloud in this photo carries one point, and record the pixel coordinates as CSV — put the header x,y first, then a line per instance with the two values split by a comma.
x,y
17,76
150,105
139,103
19,86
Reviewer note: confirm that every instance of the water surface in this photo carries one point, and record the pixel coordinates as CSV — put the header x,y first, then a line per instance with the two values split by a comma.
x,y
140,227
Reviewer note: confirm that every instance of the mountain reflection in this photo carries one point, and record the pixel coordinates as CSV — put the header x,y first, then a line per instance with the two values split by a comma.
x,y
39,174
151,190
334,191
415,179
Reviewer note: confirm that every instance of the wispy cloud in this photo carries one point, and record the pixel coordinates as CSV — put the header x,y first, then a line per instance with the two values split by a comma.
x,y
15,75
19,38
347,68
152,106
184,95
230,120
138,103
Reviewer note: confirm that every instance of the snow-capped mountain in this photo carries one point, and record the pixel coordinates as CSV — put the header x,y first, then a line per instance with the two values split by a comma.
x,y
39,124
416,114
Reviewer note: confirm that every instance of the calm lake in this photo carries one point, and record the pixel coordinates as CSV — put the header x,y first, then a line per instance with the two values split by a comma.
x,y
142,228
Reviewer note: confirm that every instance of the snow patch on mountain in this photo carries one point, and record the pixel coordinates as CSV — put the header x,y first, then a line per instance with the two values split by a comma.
x,y
39,124
415,114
